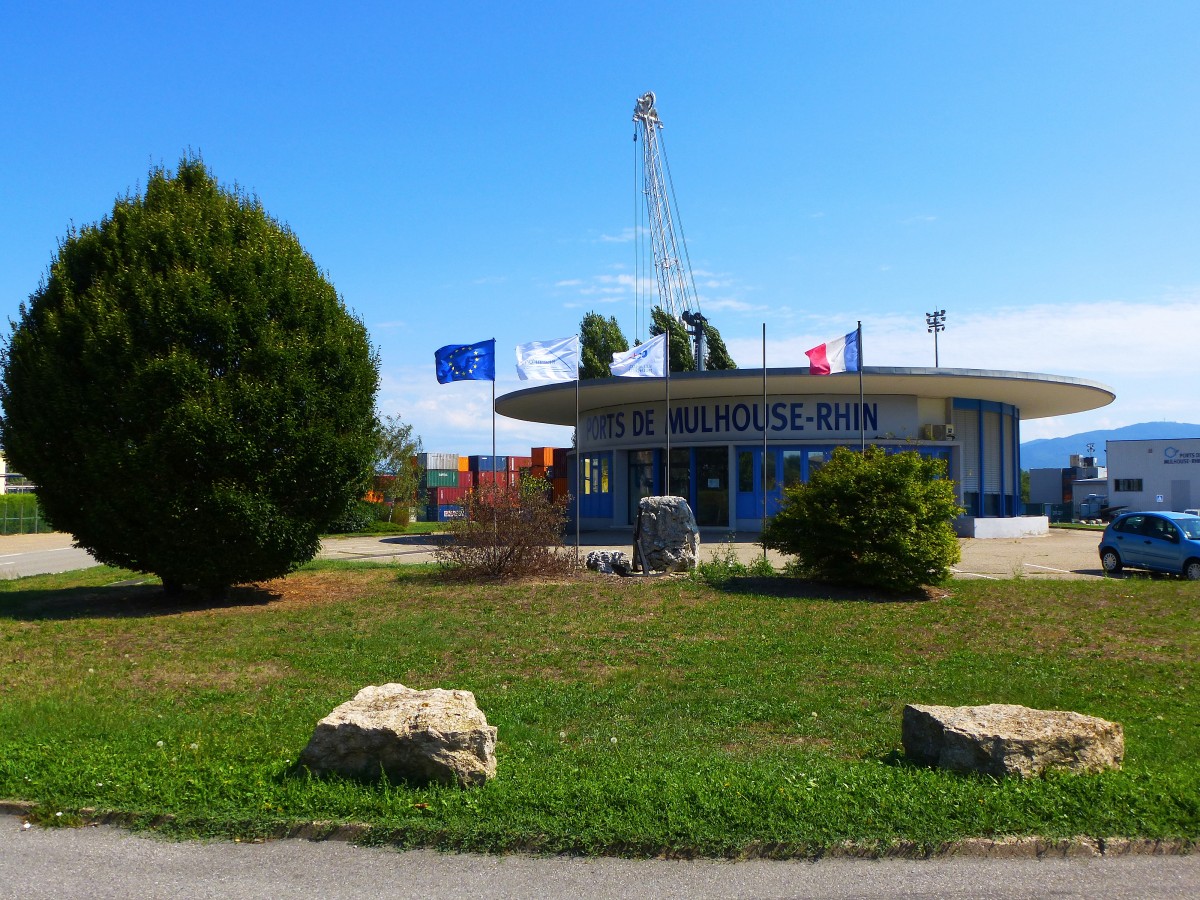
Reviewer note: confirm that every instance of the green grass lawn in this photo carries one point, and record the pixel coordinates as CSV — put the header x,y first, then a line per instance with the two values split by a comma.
x,y
635,716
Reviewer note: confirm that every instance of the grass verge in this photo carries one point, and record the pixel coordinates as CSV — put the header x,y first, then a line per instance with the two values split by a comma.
x,y
636,717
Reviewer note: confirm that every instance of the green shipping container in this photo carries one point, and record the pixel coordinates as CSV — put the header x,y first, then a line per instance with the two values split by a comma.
x,y
441,477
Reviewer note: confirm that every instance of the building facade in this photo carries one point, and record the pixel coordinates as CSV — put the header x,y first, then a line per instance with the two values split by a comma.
x,y
731,441
1154,474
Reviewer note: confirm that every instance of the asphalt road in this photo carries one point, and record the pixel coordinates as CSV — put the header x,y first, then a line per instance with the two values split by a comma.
x,y
1060,554
104,862
40,554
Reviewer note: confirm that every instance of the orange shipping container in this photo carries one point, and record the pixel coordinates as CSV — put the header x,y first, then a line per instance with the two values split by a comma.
x,y
463,464
561,488
541,456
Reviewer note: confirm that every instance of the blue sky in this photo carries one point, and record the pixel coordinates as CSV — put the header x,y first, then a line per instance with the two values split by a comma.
x,y
465,170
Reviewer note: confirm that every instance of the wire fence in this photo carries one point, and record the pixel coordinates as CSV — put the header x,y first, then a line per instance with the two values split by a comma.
x,y
21,514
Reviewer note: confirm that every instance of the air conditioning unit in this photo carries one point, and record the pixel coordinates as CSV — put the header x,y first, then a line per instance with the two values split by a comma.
x,y
937,432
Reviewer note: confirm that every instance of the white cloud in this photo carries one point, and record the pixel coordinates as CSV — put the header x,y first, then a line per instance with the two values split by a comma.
x,y
623,237
456,417
1137,349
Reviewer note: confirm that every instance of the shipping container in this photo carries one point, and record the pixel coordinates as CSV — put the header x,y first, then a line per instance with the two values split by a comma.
x,y
441,478
561,488
444,496
507,478
446,513
517,463
487,463
438,461
466,480
464,464
541,456
560,458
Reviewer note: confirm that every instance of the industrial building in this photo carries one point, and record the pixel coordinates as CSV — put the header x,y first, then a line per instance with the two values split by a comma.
x,y
1154,474
737,437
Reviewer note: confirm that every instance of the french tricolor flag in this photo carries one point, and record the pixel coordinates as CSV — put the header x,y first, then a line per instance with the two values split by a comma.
x,y
841,355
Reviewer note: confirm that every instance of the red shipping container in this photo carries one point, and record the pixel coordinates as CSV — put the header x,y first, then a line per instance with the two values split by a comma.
x,y
541,456
445,496
560,458
466,480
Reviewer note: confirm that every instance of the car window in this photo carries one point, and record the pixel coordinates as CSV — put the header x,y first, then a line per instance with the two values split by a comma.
x,y
1130,525
1157,527
1190,527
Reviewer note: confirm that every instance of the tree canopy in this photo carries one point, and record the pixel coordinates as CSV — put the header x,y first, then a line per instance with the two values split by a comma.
x,y
393,458
187,389
599,339
683,357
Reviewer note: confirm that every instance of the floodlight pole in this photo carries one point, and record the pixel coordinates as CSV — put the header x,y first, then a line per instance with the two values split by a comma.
x,y
936,322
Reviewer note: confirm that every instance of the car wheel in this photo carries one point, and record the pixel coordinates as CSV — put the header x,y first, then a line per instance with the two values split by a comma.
x,y
1111,561
1191,570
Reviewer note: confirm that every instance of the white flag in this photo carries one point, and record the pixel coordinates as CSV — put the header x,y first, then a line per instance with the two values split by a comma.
x,y
648,360
556,360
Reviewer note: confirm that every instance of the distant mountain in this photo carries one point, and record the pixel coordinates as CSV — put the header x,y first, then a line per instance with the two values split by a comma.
x,y
1056,453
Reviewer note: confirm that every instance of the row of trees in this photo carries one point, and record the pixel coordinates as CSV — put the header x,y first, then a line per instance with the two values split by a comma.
x,y
600,338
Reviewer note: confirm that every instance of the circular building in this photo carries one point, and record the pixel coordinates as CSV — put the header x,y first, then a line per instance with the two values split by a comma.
x,y
734,439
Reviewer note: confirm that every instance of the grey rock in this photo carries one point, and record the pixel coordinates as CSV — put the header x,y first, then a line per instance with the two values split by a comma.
x,y
609,562
666,536
407,735
1003,739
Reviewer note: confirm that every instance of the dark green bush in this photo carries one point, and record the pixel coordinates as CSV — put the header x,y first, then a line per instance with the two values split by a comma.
x,y
187,389
873,518
358,516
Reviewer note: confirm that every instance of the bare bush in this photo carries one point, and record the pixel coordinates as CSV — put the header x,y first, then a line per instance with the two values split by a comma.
x,y
508,532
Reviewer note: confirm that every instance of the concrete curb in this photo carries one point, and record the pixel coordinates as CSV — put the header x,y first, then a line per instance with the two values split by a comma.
x,y
977,848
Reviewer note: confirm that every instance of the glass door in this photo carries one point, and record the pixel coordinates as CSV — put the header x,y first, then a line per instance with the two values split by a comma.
x,y
711,503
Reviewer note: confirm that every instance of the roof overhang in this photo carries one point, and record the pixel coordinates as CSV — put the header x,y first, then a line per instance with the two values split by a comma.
x,y
1036,396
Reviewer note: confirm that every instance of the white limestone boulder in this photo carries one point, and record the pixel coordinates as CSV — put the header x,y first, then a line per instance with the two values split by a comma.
x,y
406,735
666,536
609,562
1003,739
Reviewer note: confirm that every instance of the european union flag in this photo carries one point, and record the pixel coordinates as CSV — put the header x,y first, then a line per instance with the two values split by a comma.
x,y
466,362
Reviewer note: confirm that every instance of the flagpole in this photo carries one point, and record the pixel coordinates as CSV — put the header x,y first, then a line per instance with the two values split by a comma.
x,y
578,360
764,452
862,412
667,379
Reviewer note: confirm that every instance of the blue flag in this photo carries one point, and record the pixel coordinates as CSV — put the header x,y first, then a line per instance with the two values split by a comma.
x,y
466,362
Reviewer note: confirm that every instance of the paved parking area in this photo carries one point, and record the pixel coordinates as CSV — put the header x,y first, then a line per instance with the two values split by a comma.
x,y
1062,553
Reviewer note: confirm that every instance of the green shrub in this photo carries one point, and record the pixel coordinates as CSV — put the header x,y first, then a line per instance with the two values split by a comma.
x,y
358,516
872,518
187,389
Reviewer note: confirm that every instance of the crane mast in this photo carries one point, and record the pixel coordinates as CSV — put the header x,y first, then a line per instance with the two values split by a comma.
x,y
673,270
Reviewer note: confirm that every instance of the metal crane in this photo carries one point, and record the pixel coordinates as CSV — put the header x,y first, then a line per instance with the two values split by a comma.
x,y
676,285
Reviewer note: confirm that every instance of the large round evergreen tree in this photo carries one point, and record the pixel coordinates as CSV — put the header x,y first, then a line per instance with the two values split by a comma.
x,y
188,391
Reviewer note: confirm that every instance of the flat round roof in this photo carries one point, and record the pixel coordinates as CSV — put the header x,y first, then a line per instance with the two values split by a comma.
x,y
1037,396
